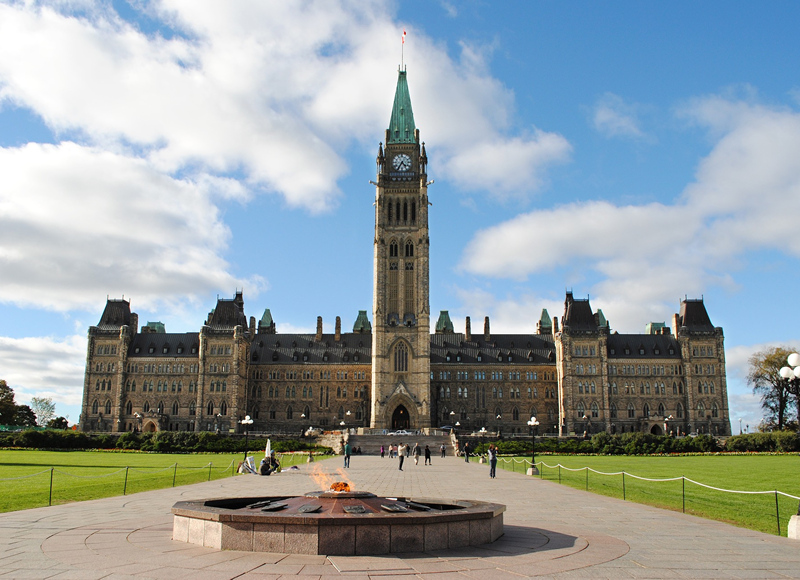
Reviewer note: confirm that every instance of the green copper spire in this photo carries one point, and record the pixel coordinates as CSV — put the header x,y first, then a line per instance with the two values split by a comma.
x,y
401,126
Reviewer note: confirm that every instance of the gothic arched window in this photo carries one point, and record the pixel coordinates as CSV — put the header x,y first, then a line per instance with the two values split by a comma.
x,y
409,249
393,249
175,408
595,411
401,358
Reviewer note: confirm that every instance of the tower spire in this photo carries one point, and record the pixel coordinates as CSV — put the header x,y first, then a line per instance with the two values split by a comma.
x,y
401,125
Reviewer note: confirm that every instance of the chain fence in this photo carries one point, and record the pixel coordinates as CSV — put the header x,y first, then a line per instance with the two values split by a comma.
x,y
705,504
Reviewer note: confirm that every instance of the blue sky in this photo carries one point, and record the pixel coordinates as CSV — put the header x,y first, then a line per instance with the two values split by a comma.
x,y
175,151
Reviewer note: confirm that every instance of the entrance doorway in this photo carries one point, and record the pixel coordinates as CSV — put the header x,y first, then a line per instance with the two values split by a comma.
x,y
400,418
656,430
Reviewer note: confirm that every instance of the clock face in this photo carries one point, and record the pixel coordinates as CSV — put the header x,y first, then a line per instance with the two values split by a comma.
x,y
402,162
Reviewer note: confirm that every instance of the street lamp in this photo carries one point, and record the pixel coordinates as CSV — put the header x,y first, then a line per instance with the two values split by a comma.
x,y
533,424
247,421
792,374
666,425
740,425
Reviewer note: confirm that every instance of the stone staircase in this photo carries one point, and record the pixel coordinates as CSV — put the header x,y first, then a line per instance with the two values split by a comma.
x,y
371,444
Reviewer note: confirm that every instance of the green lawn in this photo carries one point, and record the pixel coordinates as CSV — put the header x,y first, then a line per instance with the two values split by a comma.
x,y
730,472
25,475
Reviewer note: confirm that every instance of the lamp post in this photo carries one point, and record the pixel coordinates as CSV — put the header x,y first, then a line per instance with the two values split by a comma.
x,y
666,425
247,421
740,425
533,424
792,374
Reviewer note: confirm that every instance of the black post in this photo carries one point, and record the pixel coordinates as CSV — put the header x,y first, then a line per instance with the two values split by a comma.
x,y
50,499
245,443
623,486
683,492
210,463
777,513
125,485
174,474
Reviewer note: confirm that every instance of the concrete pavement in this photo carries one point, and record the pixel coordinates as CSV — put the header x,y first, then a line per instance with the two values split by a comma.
x,y
550,530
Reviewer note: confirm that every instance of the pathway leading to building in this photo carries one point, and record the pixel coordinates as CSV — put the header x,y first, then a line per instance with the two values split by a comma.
x,y
550,530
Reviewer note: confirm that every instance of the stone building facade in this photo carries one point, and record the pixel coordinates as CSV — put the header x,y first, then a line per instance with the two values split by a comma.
x,y
579,378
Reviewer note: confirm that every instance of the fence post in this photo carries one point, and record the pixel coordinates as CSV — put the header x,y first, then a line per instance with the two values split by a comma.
x,y
623,486
559,473
777,513
174,474
125,486
210,463
587,479
50,499
683,492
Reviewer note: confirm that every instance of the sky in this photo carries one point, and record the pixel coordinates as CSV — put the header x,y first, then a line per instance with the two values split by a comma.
x,y
174,151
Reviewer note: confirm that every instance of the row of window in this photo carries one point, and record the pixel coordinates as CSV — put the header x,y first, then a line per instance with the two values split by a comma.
x,y
497,392
106,349
162,369
164,386
165,349
105,367
462,414
645,370
401,213
495,375
594,411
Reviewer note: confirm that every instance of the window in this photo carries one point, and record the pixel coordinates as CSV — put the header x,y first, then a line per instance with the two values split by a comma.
x,y
175,408
679,411
401,358
289,412
646,410
108,407
714,410
129,408
613,411
409,249
631,411
580,410
595,411
393,249
661,410
223,409
515,414
210,408
192,408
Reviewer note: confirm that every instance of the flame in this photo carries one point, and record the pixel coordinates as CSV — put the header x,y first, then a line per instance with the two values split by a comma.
x,y
325,480
339,486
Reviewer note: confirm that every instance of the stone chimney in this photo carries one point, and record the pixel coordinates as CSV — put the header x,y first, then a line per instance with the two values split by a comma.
x,y
676,326
468,331
252,326
318,338
338,336
555,325
487,336
134,323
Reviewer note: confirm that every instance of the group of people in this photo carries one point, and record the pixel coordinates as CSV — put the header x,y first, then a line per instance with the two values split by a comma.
x,y
269,465
405,450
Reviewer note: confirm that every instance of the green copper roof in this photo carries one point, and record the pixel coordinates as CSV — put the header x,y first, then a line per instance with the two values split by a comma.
x,y
362,324
545,320
266,320
654,327
401,126
601,319
444,324
157,327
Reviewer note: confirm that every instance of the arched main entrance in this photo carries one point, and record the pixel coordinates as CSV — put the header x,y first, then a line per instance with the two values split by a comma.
x,y
149,427
400,418
656,430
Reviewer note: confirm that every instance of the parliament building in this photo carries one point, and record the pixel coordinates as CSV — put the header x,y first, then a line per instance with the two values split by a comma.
x,y
573,373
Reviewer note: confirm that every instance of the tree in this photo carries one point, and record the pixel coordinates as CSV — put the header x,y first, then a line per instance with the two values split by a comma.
x,y
765,379
8,408
58,423
44,408
24,416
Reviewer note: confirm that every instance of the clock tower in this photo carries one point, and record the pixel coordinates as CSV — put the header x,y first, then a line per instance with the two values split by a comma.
x,y
401,338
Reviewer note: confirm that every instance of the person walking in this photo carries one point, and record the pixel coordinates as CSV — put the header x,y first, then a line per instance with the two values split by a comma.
x,y
466,451
382,451
416,452
401,453
347,451
492,461
427,455
443,449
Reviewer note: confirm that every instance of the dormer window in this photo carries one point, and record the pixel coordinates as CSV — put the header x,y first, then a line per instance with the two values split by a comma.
x,y
480,358
627,351
165,350
137,350
355,357
179,350
641,351
151,350
612,351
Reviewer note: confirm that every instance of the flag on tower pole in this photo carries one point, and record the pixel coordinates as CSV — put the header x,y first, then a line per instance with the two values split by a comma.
x,y
402,48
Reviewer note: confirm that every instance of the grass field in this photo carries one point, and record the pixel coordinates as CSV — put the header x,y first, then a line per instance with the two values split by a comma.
x,y
730,472
25,475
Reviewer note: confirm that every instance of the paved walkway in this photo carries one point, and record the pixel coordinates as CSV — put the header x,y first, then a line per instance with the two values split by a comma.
x,y
550,530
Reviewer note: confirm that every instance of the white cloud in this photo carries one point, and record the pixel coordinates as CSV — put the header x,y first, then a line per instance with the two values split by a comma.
x,y
613,117
77,223
648,256
45,367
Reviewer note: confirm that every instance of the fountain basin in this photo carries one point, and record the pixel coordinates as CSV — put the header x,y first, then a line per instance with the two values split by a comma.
x,y
329,523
